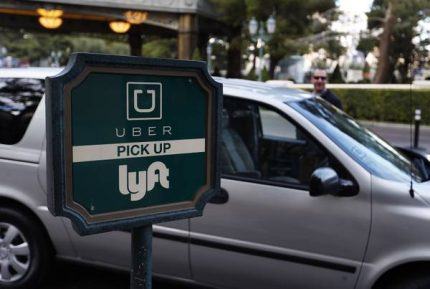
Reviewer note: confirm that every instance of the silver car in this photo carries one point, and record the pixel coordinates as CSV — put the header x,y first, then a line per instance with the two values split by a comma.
x,y
310,199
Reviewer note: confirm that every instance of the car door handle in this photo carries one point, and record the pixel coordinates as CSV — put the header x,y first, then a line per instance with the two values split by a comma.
x,y
220,198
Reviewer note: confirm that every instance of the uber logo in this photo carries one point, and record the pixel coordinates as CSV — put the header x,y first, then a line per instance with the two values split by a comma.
x,y
144,100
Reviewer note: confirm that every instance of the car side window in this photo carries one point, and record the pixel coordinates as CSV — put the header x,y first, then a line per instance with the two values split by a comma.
x,y
287,153
19,98
274,125
259,143
239,146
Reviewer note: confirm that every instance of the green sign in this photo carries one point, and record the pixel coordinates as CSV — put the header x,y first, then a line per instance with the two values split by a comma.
x,y
132,141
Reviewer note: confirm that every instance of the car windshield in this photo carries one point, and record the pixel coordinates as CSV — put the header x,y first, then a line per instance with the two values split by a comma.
x,y
19,98
372,152
19,94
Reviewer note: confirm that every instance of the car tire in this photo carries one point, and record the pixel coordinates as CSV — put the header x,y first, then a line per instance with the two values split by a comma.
x,y
415,282
25,251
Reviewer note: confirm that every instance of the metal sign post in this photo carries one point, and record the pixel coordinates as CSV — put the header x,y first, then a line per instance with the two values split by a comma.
x,y
141,253
131,142
417,127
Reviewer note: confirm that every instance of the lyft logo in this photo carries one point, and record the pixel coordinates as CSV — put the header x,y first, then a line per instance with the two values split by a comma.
x,y
137,184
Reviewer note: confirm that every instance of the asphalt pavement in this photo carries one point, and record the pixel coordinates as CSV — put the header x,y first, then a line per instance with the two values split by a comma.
x,y
67,275
399,134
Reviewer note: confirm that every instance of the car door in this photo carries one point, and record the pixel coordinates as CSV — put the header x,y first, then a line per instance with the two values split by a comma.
x,y
170,249
265,230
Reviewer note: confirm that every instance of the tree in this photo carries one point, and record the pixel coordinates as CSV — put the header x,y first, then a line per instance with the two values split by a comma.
x,y
398,20
37,46
33,47
233,13
293,21
160,47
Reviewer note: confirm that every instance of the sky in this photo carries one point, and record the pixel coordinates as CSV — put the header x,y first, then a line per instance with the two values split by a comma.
x,y
354,18
358,6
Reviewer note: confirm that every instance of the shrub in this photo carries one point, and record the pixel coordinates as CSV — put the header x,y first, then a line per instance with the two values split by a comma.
x,y
390,105
385,105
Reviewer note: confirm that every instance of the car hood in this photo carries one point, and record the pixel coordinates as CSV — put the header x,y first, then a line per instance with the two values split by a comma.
x,y
423,189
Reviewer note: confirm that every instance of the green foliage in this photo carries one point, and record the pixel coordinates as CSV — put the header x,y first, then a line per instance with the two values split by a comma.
x,y
164,48
97,45
32,46
367,44
251,75
196,55
265,74
407,14
219,57
389,105
385,105
37,46
293,21
332,46
232,12
336,76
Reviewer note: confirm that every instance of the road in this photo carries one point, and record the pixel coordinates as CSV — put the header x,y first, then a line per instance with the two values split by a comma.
x,y
73,276
68,275
399,134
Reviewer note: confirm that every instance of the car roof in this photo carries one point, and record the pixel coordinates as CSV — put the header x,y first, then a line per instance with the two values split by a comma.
x,y
260,90
29,72
232,87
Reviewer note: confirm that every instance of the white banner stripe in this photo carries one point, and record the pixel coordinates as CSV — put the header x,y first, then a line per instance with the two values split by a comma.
x,y
89,153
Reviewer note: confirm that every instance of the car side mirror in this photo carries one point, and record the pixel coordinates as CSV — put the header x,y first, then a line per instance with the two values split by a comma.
x,y
325,181
220,197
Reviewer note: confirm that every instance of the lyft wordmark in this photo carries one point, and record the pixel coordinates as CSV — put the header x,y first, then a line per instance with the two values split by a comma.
x,y
137,184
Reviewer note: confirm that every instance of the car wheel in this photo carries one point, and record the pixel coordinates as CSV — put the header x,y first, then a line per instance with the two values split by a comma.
x,y
415,282
24,251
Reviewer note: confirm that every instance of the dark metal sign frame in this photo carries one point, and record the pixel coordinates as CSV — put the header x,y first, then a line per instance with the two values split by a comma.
x,y
59,143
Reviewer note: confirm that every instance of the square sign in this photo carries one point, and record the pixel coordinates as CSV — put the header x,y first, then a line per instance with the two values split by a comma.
x,y
144,100
131,141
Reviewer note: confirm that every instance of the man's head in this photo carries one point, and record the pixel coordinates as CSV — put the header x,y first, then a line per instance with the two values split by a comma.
x,y
319,79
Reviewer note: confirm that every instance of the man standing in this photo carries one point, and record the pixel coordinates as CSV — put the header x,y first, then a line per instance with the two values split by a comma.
x,y
319,80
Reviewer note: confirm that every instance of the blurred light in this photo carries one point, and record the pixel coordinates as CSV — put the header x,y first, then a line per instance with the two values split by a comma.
x,y
50,18
253,26
50,22
209,49
271,24
136,17
119,26
51,13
